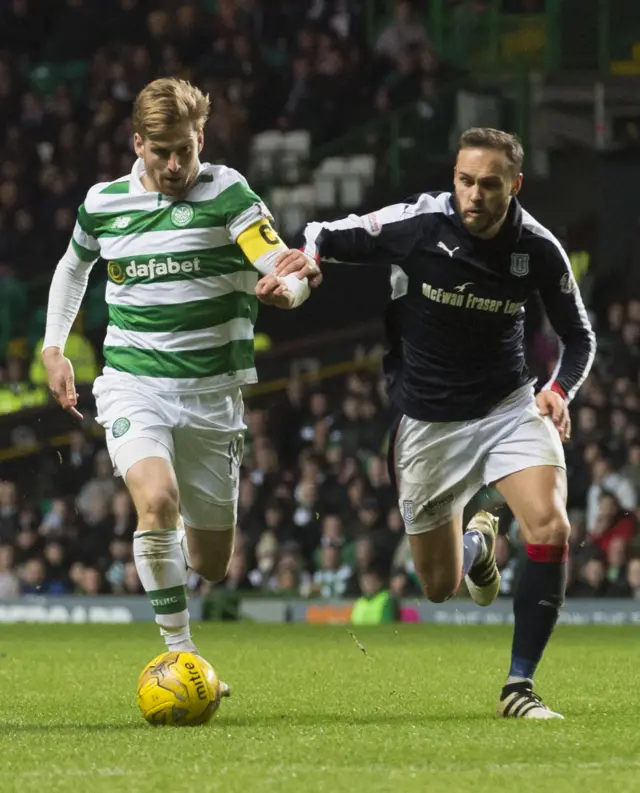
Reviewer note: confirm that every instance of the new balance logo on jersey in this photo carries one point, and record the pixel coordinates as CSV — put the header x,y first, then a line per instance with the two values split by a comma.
x,y
121,222
459,298
155,268
448,250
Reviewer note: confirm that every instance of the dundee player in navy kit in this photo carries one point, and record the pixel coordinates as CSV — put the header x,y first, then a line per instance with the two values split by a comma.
x,y
462,267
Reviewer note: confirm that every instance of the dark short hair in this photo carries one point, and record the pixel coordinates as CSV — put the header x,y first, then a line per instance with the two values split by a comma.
x,y
487,138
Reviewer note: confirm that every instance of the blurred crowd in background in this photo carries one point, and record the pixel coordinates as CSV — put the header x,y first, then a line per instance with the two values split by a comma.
x,y
69,70
316,505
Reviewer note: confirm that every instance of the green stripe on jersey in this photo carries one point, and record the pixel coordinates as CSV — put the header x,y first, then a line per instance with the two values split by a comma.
x,y
117,187
125,222
85,220
181,266
84,253
214,213
235,200
185,364
194,315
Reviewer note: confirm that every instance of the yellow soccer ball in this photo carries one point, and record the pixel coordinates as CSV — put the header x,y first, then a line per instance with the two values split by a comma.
x,y
180,689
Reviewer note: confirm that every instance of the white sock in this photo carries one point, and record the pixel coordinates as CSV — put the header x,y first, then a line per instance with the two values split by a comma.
x,y
182,537
161,568
512,679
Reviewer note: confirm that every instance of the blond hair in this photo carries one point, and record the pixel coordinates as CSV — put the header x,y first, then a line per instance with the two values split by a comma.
x,y
487,138
165,103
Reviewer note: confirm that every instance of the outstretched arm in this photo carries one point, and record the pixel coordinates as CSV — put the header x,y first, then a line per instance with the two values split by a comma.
x,y
384,237
68,286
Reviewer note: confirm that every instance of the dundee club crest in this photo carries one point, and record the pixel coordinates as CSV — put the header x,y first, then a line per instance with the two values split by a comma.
x,y
519,264
408,511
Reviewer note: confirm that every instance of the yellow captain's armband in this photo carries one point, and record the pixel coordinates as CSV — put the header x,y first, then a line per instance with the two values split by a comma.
x,y
259,240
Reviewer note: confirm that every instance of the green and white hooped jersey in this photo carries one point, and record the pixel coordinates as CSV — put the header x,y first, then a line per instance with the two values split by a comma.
x,y
180,291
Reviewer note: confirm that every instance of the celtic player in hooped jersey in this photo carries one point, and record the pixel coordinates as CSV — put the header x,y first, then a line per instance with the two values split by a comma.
x,y
185,243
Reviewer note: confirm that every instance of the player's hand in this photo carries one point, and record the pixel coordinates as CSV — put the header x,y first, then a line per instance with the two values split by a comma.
x,y
553,405
273,292
61,380
294,261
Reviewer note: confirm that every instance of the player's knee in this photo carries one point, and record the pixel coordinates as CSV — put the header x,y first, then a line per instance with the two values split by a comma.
x,y
553,529
153,487
158,506
438,587
439,592
211,569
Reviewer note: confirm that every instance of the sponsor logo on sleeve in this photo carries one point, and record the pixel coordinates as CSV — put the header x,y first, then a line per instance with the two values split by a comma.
x,y
567,284
372,225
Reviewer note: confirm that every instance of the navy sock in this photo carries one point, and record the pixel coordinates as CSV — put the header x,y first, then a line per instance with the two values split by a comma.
x,y
473,547
536,606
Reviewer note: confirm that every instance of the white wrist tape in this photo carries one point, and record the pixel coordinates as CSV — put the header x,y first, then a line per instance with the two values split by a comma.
x,y
299,287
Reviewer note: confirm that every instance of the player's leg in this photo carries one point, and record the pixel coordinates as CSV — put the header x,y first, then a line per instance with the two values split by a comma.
x,y
140,443
208,453
443,556
438,558
536,492
434,477
157,549
537,497
208,447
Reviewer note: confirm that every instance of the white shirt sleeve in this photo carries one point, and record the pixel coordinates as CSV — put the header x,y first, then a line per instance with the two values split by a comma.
x,y
68,285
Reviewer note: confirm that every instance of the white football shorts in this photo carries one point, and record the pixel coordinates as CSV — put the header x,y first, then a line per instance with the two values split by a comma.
x,y
201,435
439,466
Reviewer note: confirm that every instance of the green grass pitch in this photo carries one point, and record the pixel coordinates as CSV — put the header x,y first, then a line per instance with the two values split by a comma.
x,y
312,713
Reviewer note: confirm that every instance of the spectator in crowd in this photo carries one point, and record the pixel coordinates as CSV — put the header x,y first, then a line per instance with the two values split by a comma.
x,y
266,554
332,578
9,582
612,524
592,577
605,479
376,605
56,575
401,35
32,576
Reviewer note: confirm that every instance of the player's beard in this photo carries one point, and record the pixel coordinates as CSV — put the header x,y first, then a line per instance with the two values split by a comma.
x,y
178,187
482,223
